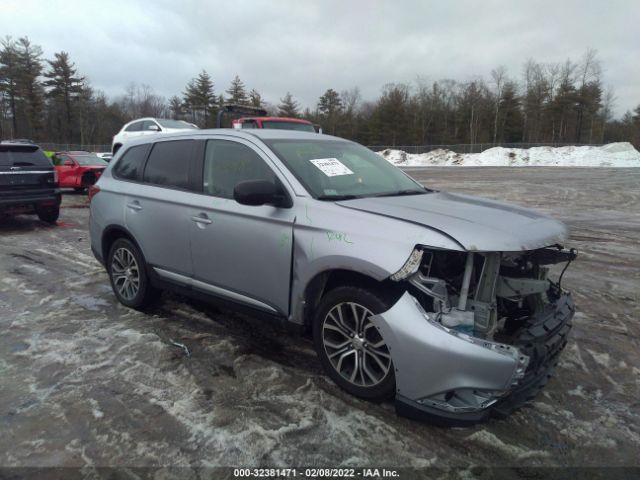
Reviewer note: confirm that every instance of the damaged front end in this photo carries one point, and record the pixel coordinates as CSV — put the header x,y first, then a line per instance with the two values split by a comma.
x,y
475,333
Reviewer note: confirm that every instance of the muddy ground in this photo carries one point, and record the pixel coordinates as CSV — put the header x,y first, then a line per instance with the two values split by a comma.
x,y
85,381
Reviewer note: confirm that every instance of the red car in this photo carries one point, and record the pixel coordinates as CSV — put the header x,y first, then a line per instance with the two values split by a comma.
x,y
283,123
78,170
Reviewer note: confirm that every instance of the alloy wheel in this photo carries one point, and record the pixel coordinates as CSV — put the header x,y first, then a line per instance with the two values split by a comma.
x,y
354,346
125,273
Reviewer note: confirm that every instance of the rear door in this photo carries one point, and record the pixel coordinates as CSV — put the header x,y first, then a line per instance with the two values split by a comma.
x,y
240,252
25,171
156,211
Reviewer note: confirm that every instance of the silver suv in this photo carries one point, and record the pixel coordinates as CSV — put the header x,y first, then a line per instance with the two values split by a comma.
x,y
441,300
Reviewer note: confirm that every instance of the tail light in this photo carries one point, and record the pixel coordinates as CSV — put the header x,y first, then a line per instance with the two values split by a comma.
x,y
56,179
93,191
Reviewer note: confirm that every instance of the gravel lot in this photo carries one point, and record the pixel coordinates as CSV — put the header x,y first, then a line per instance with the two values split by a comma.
x,y
87,382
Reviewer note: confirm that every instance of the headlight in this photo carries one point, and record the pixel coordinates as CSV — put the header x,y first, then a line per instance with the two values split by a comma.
x,y
410,267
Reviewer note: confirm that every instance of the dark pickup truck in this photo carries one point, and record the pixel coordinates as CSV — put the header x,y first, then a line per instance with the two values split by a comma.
x,y
28,182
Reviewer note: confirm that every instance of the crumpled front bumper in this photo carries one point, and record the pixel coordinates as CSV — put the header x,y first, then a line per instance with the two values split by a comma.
x,y
449,378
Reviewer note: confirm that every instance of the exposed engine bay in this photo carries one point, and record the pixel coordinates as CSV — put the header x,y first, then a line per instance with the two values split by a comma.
x,y
503,302
487,295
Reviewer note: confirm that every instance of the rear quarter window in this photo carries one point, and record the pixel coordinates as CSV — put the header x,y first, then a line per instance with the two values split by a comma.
x,y
130,165
23,156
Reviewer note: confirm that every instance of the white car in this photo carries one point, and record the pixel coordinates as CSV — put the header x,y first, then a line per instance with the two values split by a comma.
x,y
147,126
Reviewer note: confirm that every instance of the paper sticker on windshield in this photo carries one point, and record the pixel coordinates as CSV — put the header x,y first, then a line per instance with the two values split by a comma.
x,y
331,167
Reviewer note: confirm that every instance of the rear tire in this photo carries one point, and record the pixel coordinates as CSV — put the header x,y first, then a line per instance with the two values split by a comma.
x,y
48,214
128,275
351,350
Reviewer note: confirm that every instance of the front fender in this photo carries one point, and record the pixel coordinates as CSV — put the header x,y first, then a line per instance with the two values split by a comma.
x,y
330,237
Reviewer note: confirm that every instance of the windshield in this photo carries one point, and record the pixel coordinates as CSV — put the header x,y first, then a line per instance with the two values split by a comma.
x,y
338,169
175,123
302,127
89,160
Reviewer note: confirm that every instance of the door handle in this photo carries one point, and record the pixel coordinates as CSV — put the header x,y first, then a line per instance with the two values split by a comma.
x,y
134,206
201,219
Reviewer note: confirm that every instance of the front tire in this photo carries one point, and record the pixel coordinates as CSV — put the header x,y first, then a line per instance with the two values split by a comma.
x,y
128,275
351,349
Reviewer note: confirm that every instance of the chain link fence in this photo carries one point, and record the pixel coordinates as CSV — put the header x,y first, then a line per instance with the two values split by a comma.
x,y
470,147
68,147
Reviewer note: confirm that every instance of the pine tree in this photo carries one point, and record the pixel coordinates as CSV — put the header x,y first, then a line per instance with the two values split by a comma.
x,y
288,107
9,80
30,86
236,92
200,98
389,124
176,107
330,107
65,86
510,120
255,99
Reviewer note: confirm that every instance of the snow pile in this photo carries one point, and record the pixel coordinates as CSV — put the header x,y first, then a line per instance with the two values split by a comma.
x,y
621,154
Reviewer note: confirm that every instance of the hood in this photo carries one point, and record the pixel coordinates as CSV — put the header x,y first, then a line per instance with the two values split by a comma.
x,y
478,224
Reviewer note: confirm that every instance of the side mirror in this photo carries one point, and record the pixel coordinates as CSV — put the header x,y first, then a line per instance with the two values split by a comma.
x,y
68,163
260,192
153,128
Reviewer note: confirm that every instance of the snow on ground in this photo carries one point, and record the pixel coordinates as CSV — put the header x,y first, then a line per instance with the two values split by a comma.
x,y
621,154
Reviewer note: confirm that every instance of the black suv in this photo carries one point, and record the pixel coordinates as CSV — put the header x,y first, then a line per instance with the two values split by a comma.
x,y
28,182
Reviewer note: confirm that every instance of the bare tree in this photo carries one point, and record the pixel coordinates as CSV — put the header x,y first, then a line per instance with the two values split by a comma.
x,y
606,111
498,79
589,71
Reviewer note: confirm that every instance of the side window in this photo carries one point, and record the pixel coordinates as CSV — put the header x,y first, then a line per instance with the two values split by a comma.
x,y
249,124
149,125
134,127
62,159
130,166
168,164
228,163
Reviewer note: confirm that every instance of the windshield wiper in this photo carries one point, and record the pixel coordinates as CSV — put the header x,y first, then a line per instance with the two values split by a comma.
x,y
337,197
403,192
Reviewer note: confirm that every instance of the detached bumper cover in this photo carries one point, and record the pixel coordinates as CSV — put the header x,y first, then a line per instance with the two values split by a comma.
x,y
432,362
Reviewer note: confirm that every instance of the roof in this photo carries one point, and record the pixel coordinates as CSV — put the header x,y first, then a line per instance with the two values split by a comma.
x,y
27,146
247,134
18,140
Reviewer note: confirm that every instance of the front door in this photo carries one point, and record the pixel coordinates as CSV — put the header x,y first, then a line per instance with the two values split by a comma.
x,y
240,252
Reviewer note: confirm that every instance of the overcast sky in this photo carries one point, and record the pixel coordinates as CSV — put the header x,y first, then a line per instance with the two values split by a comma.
x,y
306,47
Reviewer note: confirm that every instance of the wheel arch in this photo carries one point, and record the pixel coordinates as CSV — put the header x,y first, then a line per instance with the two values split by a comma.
x,y
111,234
327,280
